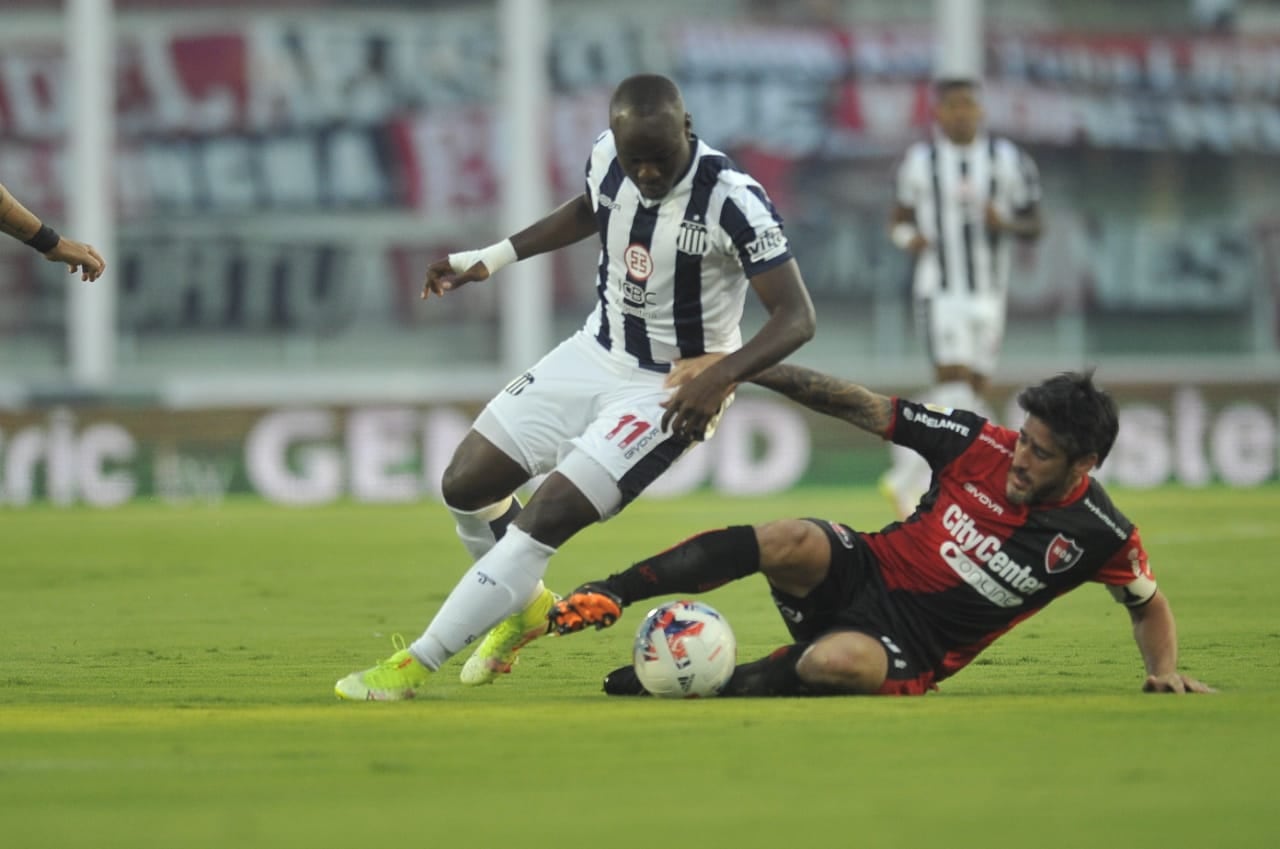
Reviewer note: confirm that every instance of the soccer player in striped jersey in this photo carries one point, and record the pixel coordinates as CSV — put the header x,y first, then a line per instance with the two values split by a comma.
x,y
683,235
25,226
963,197
1015,522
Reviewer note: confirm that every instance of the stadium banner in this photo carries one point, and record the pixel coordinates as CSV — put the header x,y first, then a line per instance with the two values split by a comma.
x,y
343,126
104,457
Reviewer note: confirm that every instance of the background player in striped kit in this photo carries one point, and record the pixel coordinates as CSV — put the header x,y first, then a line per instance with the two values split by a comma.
x,y
25,226
683,236
962,198
1017,522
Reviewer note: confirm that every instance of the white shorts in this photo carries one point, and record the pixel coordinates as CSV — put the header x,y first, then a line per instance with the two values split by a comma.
x,y
963,330
579,399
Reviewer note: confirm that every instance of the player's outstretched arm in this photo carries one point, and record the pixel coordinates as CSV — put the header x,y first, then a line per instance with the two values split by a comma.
x,y
571,222
832,396
23,224
1157,636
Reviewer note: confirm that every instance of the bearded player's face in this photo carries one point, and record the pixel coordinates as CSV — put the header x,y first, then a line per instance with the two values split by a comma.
x,y
1040,471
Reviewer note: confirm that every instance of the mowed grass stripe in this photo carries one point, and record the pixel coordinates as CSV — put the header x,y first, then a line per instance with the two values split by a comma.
x,y
167,681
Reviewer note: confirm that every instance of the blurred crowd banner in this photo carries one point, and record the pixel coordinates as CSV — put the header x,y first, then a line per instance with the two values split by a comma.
x,y
304,455
282,178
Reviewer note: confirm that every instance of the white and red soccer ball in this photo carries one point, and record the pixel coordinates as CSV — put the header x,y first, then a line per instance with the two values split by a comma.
x,y
684,650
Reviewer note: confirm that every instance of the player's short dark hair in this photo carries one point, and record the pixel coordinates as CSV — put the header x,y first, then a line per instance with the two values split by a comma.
x,y
945,85
1082,417
646,95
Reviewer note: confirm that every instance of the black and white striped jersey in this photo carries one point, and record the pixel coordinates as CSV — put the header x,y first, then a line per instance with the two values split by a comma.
x,y
672,274
949,186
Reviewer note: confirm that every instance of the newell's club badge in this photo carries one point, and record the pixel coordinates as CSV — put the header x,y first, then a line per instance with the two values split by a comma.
x,y
1061,555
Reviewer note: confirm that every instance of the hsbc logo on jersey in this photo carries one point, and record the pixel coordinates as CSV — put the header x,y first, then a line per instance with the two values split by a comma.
x,y
636,295
1061,555
638,261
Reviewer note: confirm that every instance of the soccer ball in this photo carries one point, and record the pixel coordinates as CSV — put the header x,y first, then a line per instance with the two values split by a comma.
x,y
684,650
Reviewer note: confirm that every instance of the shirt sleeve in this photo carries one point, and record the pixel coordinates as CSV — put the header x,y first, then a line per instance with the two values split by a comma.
x,y
754,227
1127,574
939,434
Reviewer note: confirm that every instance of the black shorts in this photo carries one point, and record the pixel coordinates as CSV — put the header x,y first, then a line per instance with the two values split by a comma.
x,y
853,598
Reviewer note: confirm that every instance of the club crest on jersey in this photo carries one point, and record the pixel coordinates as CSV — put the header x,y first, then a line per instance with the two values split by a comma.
x,y
692,238
1061,555
638,261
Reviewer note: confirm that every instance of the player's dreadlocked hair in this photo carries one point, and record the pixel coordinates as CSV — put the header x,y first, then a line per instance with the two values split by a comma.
x,y
1081,416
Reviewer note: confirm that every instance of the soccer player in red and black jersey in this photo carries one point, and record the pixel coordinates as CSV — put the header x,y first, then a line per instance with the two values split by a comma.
x,y
1012,521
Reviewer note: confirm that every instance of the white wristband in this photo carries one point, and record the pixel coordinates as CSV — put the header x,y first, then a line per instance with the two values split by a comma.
x,y
494,257
903,234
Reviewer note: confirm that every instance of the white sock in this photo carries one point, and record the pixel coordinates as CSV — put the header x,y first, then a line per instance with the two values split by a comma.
x,y
499,584
480,529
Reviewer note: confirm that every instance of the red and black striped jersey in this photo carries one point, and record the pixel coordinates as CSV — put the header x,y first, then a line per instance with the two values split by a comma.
x,y
968,565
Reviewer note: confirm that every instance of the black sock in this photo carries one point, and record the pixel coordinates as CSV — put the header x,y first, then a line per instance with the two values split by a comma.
x,y
698,564
774,675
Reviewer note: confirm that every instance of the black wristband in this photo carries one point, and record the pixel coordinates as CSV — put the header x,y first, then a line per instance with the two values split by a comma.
x,y
45,239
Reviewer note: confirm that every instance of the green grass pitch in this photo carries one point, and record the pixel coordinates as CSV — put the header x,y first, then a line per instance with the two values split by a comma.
x,y
167,681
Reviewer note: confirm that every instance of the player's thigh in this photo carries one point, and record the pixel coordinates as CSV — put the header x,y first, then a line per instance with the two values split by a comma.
x,y
625,439
534,416
795,555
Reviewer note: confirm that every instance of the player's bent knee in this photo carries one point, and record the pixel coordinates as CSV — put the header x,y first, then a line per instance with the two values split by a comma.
x,y
479,474
845,662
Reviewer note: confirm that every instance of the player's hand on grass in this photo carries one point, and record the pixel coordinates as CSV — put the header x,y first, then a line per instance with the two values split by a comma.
x,y
1174,682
